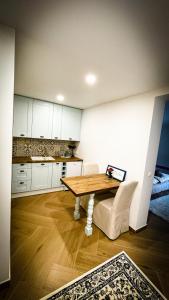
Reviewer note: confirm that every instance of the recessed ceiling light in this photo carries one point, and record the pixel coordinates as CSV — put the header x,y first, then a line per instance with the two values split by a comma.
x,y
60,97
90,79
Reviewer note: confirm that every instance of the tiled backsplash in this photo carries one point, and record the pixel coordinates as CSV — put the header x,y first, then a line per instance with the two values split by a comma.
x,y
35,147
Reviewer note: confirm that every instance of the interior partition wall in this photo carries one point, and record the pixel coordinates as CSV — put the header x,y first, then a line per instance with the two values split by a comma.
x,y
7,49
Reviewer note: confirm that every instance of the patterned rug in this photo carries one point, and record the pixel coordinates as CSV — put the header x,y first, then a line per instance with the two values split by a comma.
x,y
117,278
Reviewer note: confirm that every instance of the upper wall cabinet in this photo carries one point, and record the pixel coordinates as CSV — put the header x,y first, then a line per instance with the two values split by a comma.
x,y
57,118
71,121
45,120
42,119
22,118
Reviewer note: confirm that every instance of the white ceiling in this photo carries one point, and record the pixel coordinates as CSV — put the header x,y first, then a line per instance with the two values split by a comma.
x,y
124,42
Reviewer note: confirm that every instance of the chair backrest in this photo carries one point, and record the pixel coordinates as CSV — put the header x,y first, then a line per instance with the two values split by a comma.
x,y
90,168
124,195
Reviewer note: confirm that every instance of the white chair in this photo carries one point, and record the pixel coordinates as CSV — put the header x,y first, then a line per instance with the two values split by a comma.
x,y
111,215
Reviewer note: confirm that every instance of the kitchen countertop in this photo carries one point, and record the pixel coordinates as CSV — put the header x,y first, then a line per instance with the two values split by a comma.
x,y
27,159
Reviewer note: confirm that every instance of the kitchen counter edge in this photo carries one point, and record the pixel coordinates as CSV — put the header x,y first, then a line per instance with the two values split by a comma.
x,y
24,159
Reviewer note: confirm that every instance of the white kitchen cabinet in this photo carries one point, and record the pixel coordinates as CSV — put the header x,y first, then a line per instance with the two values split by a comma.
x,y
45,120
21,186
21,177
28,177
71,122
22,173
42,119
57,118
56,174
22,117
73,168
41,176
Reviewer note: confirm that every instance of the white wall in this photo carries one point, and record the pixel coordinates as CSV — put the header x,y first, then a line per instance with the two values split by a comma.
x,y
150,162
118,133
7,43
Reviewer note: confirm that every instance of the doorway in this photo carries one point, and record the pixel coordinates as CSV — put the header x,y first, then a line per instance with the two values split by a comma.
x,y
159,203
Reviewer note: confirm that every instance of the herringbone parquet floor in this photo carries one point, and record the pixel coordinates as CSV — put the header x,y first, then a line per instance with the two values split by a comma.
x,y
50,249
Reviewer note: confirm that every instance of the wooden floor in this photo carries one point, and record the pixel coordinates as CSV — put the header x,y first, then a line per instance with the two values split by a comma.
x,y
49,248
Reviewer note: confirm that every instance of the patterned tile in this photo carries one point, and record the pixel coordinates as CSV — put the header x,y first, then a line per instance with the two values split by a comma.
x,y
35,147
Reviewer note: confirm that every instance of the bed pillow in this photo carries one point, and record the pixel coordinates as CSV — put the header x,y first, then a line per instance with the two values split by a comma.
x,y
155,180
163,177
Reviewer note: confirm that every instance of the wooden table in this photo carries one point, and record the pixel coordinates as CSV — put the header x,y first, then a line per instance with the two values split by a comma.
x,y
88,185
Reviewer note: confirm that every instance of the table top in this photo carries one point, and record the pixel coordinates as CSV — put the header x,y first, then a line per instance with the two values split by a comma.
x,y
88,184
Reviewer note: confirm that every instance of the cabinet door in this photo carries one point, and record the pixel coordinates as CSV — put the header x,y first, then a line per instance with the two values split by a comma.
x,y
73,168
42,119
56,126
71,121
22,118
41,176
56,174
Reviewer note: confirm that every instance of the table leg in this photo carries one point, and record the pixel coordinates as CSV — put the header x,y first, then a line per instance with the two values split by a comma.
x,y
77,209
88,228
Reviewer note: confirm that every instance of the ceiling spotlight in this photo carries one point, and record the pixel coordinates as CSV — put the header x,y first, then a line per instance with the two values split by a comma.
x,y
60,97
90,79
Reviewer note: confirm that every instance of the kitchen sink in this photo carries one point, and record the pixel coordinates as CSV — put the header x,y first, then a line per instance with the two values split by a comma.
x,y
42,158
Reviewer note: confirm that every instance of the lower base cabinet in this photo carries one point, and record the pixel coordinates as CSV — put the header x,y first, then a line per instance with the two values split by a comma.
x,y
73,168
41,176
21,178
56,174
21,186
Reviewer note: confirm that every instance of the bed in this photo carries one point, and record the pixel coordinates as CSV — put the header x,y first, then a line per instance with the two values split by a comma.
x,y
160,182
159,204
160,207
159,185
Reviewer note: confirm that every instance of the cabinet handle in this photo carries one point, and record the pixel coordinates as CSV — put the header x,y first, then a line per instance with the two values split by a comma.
x,y
42,164
22,164
41,136
22,182
21,171
56,137
22,134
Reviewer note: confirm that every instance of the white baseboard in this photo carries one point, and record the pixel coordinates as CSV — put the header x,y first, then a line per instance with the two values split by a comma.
x,y
5,281
138,229
19,195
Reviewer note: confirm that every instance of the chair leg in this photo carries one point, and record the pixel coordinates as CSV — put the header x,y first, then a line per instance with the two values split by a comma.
x,y
88,228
